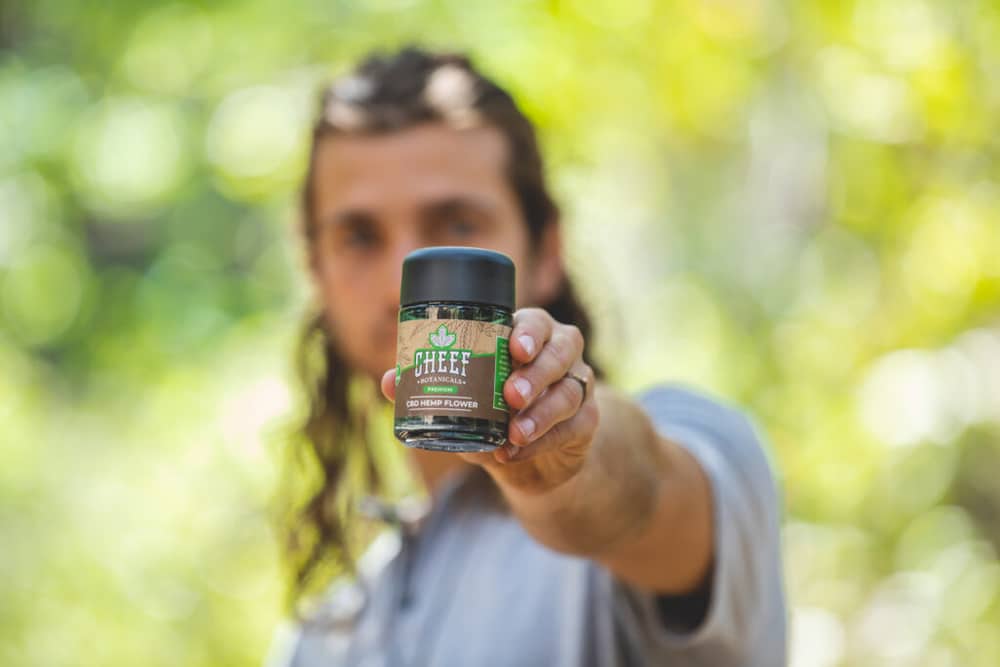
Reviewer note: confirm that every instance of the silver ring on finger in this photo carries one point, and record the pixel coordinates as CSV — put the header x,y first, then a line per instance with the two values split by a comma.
x,y
583,385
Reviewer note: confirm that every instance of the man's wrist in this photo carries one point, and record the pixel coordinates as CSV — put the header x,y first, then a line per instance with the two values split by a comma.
x,y
611,497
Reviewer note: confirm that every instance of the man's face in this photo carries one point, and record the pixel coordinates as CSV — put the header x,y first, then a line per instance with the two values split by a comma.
x,y
379,197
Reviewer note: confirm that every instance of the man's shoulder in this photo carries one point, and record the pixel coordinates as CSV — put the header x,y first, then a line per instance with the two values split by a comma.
x,y
708,425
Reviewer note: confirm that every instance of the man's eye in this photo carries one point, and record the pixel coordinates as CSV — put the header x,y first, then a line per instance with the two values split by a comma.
x,y
461,227
360,237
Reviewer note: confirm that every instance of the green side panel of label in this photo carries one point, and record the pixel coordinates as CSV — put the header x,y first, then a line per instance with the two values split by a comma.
x,y
501,371
433,389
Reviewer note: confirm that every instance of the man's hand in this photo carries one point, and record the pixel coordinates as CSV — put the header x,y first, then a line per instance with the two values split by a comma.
x,y
595,479
554,424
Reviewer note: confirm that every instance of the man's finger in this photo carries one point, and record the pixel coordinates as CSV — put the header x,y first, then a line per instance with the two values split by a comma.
x,y
532,328
389,384
560,402
563,349
570,436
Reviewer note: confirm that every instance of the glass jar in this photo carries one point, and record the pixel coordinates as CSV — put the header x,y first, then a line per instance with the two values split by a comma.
x,y
453,354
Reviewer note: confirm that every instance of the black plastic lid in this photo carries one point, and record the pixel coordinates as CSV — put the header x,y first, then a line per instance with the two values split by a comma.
x,y
457,273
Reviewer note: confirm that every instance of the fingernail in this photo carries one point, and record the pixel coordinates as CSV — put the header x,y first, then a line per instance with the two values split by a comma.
x,y
526,426
528,343
523,388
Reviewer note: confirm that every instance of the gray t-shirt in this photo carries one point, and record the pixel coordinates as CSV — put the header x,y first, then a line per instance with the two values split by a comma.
x,y
472,589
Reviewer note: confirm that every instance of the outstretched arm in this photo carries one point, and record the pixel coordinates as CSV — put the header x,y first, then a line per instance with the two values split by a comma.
x,y
591,476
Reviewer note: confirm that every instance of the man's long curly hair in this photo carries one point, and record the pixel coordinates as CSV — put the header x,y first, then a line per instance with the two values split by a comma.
x,y
333,459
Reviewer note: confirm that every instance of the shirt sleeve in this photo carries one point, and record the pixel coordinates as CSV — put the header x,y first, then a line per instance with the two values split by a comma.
x,y
745,622
286,642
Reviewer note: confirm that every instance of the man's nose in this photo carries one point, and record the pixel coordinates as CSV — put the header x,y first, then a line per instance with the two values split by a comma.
x,y
395,269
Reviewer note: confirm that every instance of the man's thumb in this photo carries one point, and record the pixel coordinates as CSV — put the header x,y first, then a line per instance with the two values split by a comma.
x,y
389,384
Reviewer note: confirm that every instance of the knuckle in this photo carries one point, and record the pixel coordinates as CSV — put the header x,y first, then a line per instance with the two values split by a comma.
x,y
561,351
575,336
570,392
542,416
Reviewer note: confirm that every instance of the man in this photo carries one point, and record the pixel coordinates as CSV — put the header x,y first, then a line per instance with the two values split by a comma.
x,y
610,530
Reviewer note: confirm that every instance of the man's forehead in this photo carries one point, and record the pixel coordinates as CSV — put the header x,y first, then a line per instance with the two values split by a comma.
x,y
428,144
429,162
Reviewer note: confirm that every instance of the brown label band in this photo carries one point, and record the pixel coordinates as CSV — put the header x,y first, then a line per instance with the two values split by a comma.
x,y
452,368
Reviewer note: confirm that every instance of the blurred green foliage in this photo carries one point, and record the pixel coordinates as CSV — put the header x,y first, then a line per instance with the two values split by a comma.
x,y
795,205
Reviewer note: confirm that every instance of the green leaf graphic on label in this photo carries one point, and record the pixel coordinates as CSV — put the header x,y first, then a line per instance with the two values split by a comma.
x,y
399,371
442,338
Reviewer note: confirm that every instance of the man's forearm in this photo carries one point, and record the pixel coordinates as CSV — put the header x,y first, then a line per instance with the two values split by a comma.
x,y
610,498
639,504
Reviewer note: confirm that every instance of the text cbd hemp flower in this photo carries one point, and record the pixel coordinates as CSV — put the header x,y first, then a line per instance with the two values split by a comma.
x,y
452,355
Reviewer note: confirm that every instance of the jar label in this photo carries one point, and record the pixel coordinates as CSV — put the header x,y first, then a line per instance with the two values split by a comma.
x,y
452,368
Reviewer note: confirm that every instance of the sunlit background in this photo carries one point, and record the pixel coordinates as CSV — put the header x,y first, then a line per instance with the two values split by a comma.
x,y
795,206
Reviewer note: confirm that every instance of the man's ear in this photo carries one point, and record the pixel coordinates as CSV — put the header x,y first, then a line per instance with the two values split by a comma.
x,y
548,270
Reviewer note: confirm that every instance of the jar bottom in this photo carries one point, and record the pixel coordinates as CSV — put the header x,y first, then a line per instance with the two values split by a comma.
x,y
450,434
